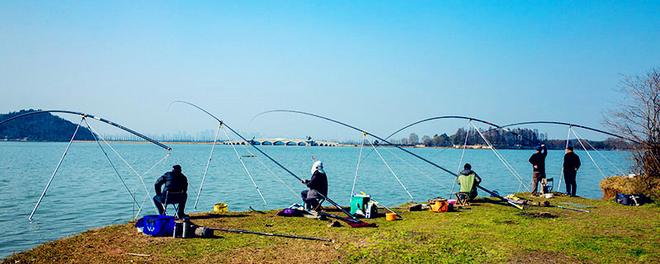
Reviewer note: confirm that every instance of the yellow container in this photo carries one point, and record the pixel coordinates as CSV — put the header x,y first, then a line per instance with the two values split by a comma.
x,y
220,208
440,206
390,216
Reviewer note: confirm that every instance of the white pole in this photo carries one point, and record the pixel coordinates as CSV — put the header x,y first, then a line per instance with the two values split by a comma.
x,y
208,163
392,171
246,170
568,138
588,154
357,167
140,177
501,158
57,168
467,135
112,164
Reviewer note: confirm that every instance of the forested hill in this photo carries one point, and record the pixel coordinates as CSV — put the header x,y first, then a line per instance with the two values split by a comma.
x,y
40,127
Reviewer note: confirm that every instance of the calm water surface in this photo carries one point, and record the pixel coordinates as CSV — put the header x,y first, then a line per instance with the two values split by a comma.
x,y
86,193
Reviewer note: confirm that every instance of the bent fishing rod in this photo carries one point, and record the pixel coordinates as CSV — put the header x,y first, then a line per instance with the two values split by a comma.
x,y
496,127
268,157
381,139
506,127
84,116
443,117
571,125
93,117
243,231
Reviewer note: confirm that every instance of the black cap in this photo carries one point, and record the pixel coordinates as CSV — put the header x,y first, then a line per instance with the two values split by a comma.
x,y
570,148
177,167
467,166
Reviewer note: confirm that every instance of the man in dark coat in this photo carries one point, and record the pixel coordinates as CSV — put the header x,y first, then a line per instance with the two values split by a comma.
x,y
571,166
174,192
538,164
318,187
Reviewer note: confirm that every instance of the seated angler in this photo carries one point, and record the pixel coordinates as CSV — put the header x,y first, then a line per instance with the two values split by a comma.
x,y
174,192
318,187
468,180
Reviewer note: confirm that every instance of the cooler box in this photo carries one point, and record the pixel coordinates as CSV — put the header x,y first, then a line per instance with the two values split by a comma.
x,y
629,199
156,225
359,204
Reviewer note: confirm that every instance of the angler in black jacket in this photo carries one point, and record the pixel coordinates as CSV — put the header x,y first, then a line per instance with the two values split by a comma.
x,y
571,166
318,187
538,164
175,191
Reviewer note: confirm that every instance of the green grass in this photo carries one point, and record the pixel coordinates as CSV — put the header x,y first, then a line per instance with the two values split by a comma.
x,y
485,233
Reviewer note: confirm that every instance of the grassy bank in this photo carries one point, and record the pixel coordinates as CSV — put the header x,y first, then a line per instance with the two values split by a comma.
x,y
484,233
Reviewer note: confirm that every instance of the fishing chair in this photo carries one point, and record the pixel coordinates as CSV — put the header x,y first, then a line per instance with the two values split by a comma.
x,y
462,199
548,185
175,205
318,205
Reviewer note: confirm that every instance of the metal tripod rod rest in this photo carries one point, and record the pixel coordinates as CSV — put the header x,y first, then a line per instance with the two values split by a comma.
x,y
83,117
57,168
208,163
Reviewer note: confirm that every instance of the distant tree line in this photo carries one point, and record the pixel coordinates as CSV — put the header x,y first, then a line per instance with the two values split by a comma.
x,y
519,138
48,127
40,127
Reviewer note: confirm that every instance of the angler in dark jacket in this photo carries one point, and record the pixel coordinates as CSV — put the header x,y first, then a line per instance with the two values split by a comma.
x,y
174,192
571,166
538,164
318,186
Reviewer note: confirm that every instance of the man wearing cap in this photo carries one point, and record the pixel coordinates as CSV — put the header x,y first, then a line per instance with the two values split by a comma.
x,y
468,180
174,192
571,166
538,166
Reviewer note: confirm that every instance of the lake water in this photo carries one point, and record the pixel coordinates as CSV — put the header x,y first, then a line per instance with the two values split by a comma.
x,y
86,193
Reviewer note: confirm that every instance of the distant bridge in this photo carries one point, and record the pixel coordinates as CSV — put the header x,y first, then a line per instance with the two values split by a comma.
x,y
283,142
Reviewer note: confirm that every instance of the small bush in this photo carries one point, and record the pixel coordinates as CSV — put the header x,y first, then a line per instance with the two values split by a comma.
x,y
649,186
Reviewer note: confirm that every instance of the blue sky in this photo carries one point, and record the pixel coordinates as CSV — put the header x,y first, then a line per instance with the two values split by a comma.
x,y
376,64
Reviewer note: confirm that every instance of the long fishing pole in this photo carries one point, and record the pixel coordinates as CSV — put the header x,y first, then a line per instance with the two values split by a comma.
x,y
505,127
495,126
470,119
93,117
443,117
381,139
269,157
480,133
242,231
572,125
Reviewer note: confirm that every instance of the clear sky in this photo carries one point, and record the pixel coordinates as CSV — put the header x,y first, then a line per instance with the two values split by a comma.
x,y
376,64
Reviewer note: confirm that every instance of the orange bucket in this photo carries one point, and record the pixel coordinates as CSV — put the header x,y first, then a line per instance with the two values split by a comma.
x,y
440,206
390,216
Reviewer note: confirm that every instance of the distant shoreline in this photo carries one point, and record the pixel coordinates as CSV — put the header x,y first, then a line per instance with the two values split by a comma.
x,y
219,143
472,147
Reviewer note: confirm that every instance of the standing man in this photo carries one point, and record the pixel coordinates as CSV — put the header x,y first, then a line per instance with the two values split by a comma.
x,y
571,166
538,164
174,192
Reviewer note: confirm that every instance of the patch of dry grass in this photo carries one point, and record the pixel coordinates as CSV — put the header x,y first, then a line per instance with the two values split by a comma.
x,y
649,186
